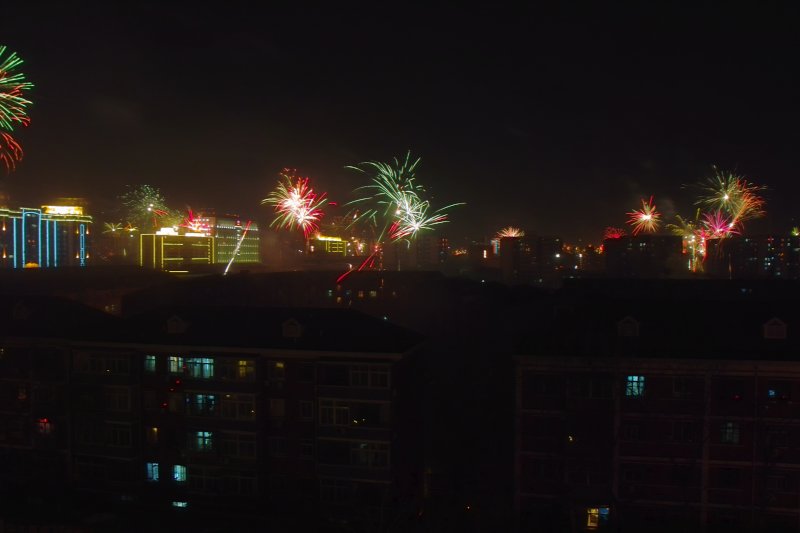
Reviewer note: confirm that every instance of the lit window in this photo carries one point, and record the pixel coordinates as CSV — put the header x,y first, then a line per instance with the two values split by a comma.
x,y
175,365
277,370
203,441
152,435
246,369
730,433
200,367
149,363
634,386
180,505
152,471
179,473
596,517
44,426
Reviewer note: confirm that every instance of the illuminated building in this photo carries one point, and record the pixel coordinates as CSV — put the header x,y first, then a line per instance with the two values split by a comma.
x,y
47,237
227,230
171,252
328,245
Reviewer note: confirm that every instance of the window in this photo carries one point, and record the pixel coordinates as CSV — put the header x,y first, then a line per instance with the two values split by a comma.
x,y
369,454
235,444
118,435
117,399
149,363
631,432
201,404
277,370
238,406
202,441
179,473
307,448
203,479
151,470
180,505
151,435
175,364
684,431
369,376
596,517
359,376
305,373
681,388
200,367
634,386
44,426
729,478
239,483
277,446
306,410
333,413
779,390
730,433
277,407
93,363
774,329
334,490
246,369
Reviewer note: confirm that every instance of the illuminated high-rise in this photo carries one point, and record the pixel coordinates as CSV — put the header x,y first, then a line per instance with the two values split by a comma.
x,y
47,237
227,231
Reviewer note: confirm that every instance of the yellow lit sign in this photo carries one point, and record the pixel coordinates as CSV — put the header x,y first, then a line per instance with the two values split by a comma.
x,y
63,209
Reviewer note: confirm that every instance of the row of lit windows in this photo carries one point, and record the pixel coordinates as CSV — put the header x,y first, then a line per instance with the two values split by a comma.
x,y
635,388
205,367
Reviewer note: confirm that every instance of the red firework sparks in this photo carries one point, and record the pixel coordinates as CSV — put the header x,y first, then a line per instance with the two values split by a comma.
x,y
613,233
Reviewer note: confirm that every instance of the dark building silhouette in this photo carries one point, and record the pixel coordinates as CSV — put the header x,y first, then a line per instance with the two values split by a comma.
x,y
767,256
290,415
661,406
645,256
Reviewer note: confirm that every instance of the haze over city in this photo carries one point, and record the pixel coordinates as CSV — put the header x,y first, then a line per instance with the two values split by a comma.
x,y
555,120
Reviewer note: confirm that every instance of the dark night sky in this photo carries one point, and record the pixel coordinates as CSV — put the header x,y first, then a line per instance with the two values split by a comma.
x,y
554,121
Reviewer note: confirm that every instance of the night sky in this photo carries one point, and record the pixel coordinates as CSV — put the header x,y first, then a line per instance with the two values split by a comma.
x,y
557,122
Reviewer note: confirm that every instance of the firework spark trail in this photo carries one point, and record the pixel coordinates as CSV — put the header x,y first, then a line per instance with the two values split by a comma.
x,y
13,107
238,247
296,204
194,225
645,219
510,231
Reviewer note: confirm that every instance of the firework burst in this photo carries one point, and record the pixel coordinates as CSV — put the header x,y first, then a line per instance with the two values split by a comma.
x,y
645,219
296,204
510,231
613,233
146,206
395,203
13,106
733,196
718,226
193,224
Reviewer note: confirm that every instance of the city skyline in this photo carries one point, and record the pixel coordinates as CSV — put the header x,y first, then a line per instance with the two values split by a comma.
x,y
558,123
